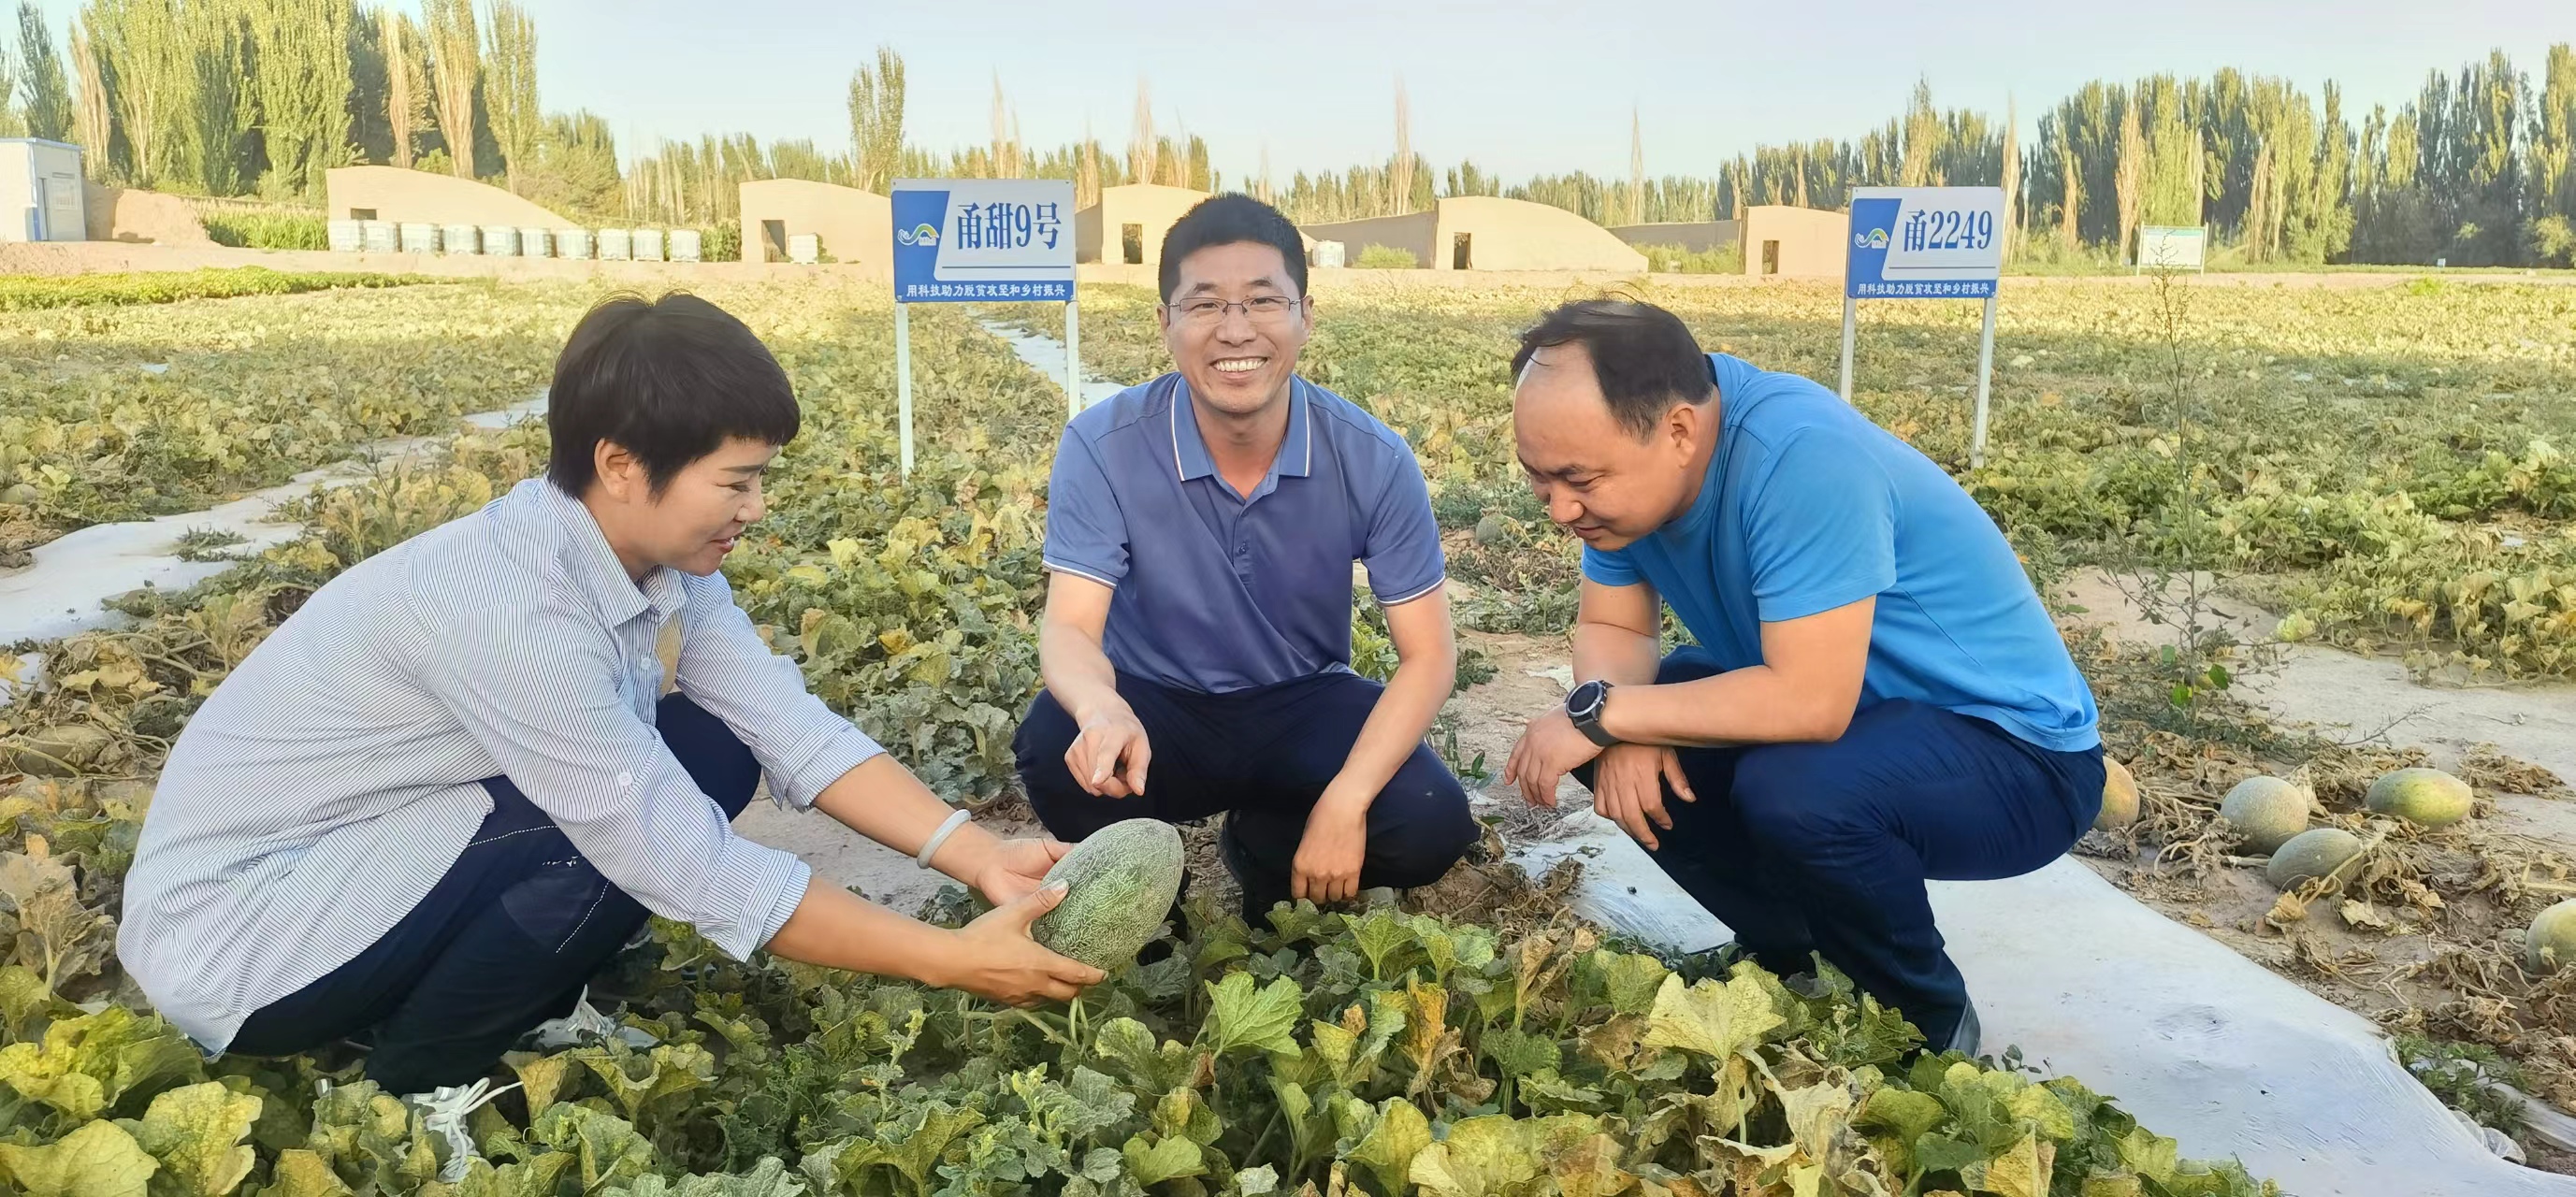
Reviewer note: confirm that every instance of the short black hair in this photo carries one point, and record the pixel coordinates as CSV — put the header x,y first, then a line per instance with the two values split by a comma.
x,y
1226,220
1643,356
670,380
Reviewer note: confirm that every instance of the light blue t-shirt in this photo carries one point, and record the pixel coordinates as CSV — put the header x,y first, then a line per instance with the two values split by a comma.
x,y
1809,506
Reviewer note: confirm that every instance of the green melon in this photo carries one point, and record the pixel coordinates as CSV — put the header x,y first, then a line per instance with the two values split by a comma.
x,y
2424,797
1495,531
21,495
2267,811
2550,945
2119,797
1123,879
2311,854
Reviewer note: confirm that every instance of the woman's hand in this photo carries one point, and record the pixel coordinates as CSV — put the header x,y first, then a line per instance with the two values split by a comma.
x,y
994,957
1017,867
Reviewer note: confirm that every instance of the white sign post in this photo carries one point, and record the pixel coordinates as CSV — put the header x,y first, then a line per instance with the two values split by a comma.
x,y
1927,243
981,240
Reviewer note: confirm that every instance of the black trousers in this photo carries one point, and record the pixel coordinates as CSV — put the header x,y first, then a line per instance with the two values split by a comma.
x,y
1824,848
505,941
1265,755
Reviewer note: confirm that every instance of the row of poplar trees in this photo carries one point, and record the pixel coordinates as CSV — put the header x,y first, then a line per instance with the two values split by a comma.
x,y
261,97
2479,169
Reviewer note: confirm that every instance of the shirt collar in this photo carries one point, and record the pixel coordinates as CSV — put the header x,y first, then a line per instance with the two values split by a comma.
x,y
1190,455
595,567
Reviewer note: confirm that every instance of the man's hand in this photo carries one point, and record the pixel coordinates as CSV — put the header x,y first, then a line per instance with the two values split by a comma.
x,y
1016,868
1549,748
1109,754
1628,788
1327,868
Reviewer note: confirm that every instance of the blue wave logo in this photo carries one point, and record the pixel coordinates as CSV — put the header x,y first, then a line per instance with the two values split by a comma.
x,y
1873,239
928,237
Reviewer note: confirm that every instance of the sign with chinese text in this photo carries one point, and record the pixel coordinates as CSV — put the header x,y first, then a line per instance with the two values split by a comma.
x,y
1925,243
963,240
2169,247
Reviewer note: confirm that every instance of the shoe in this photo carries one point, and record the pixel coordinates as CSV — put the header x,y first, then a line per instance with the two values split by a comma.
x,y
443,1113
1966,1037
586,1024
1238,862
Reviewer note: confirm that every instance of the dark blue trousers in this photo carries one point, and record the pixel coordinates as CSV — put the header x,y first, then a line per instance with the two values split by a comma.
x,y
1824,848
505,941
1266,755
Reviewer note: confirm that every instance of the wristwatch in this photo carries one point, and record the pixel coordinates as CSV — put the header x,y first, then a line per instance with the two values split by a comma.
x,y
1584,706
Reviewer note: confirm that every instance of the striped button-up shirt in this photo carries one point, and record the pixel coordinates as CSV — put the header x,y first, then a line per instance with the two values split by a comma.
x,y
334,777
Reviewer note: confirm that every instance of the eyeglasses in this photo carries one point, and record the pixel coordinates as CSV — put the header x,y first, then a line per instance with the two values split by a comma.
x,y
1262,309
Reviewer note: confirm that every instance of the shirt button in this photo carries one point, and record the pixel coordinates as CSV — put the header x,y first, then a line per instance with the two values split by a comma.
x,y
626,781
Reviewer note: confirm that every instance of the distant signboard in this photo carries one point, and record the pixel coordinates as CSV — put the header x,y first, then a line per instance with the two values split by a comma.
x,y
2163,247
1925,243
988,240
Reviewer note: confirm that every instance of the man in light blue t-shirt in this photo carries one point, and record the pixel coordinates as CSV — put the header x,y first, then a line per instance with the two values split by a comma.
x,y
1877,696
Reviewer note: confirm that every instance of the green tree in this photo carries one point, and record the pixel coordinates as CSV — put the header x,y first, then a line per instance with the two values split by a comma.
x,y
303,88
2551,237
47,97
148,74
876,121
510,88
456,58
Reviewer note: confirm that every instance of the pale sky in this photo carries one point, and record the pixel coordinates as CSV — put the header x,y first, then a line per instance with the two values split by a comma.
x,y
1518,86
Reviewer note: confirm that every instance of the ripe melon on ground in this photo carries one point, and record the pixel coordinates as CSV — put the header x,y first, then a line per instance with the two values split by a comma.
x,y
2424,797
1122,880
2550,945
2119,797
2310,855
1495,531
2268,811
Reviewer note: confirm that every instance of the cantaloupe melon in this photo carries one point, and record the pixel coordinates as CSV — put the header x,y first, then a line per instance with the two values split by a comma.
x,y
2267,811
1495,531
2311,854
1123,878
2550,945
2424,797
2119,797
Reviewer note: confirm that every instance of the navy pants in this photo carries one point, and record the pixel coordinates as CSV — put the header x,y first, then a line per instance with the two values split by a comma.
x,y
504,941
1824,847
1264,754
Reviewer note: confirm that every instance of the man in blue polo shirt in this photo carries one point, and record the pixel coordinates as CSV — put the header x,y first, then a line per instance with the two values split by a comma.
x,y
1876,697
1197,638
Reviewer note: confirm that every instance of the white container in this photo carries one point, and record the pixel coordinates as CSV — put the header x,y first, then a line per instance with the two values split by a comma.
x,y
615,245
685,244
572,243
535,243
1327,253
419,238
501,240
648,245
804,249
379,236
461,239
347,236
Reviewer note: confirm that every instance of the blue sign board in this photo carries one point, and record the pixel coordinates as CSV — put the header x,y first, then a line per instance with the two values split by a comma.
x,y
983,240
1925,243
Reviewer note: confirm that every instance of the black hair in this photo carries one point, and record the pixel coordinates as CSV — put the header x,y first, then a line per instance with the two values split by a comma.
x,y
1643,356
670,380
1227,220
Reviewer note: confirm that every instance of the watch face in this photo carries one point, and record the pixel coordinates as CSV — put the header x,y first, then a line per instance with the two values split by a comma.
x,y
1586,699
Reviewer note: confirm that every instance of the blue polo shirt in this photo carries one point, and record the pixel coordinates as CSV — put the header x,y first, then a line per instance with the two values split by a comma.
x,y
1809,506
1218,591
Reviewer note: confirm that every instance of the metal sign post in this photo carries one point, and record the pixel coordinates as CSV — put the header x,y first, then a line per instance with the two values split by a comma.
x,y
980,240
1927,243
